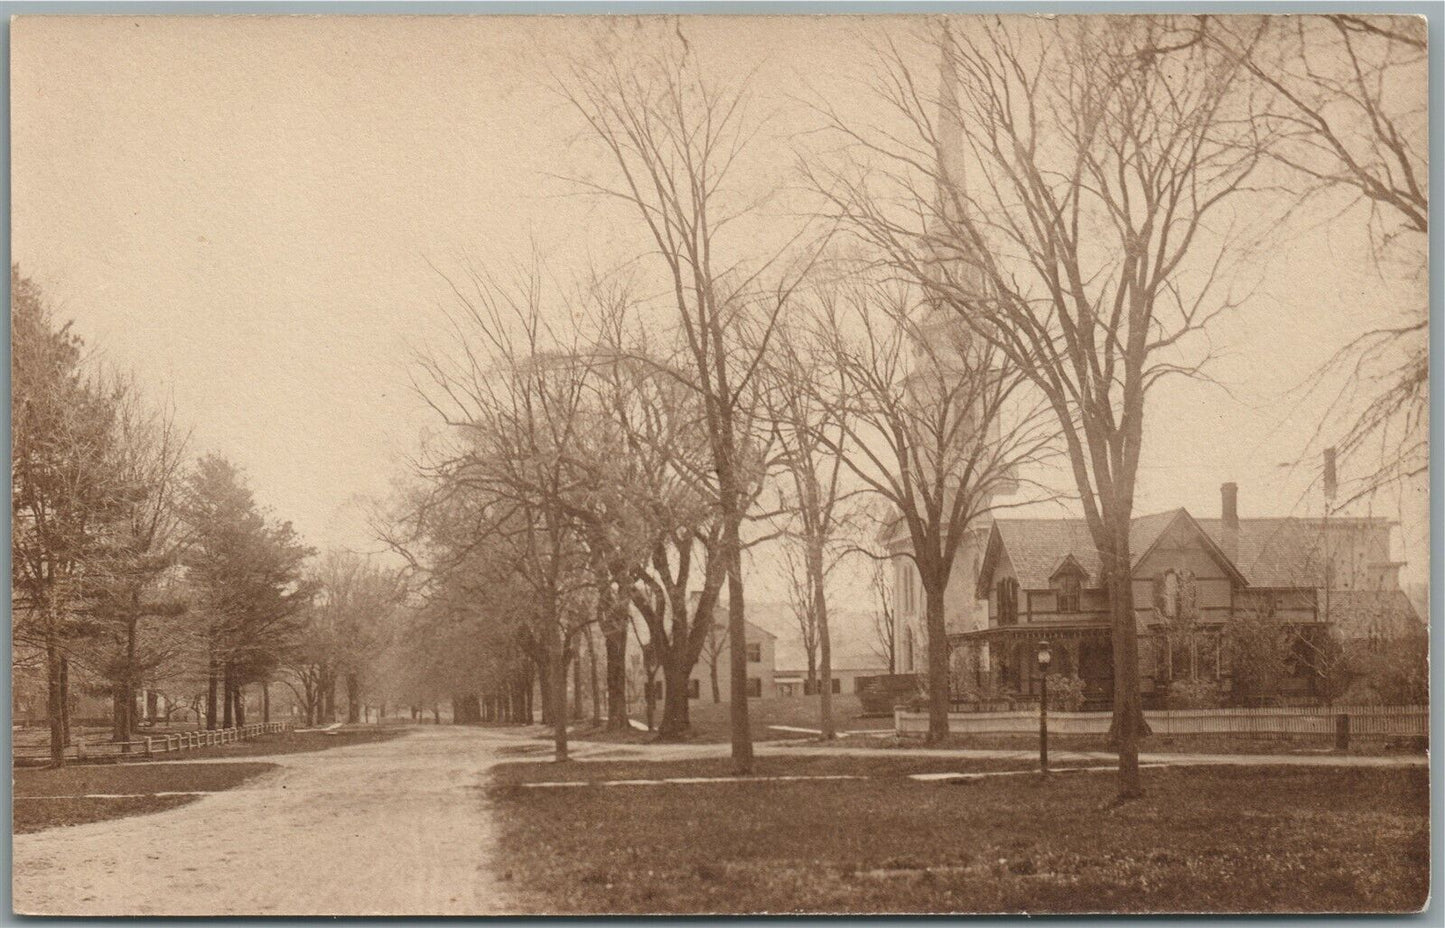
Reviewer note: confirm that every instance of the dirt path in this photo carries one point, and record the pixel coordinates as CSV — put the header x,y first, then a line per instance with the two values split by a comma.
x,y
396,827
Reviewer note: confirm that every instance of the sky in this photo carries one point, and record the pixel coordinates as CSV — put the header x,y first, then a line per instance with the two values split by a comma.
x,y
255,215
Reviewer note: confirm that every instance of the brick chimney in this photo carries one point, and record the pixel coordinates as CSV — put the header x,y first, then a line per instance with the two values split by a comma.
x,y
1229,514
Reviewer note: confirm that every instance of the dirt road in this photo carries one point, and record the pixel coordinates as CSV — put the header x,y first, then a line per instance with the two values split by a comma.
x,y
398,827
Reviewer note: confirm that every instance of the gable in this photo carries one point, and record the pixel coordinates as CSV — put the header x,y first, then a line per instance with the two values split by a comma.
x,y
1182,542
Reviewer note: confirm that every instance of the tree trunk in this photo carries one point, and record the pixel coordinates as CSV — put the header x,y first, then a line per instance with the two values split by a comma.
x,y
544,679
592,680
227,694
124,721
937,665
742,736
55,700
820,603
1128,723
674,701
716,688
559,694
117,713
65,715
240,698
615,646
328,698
212,683
577,709
353,698
266,701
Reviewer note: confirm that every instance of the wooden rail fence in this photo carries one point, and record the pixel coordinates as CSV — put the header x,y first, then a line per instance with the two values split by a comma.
x,y
151,745
1367,721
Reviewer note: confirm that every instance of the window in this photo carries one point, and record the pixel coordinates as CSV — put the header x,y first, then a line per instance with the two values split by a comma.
x,y
1194,656
1008,601
1206,657
837,685
1069,593
907,599
755,687
694,689
755,652
1170,594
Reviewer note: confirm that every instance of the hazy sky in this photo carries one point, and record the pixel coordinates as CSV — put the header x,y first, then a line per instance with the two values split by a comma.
x,y
246,212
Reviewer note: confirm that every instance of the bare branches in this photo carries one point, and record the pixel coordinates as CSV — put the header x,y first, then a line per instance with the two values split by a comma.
x,y
1347,107
1054,198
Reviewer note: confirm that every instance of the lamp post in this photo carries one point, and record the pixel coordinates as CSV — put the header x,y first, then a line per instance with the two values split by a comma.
x,y
1044,658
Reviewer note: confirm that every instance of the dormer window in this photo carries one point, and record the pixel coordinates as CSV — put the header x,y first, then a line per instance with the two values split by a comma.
x,y
1069,592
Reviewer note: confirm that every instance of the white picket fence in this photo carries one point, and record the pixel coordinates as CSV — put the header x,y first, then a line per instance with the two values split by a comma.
x,y
151,745
1369,721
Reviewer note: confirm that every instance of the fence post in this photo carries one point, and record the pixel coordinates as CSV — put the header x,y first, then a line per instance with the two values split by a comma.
x,y
148,747
1342,732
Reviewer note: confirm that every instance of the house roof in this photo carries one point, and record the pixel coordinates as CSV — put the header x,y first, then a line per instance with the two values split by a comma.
x,y
757,631
1268,552
1038,548
1286,552
751,610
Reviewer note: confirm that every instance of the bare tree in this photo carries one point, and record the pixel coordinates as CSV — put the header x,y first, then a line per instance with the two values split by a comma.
x,y
347,630
674,138
664,491
933,428
801,593
809,410
512,390
1059,196
1347,103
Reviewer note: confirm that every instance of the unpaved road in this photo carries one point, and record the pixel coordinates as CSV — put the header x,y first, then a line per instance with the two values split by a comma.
x,y
399,827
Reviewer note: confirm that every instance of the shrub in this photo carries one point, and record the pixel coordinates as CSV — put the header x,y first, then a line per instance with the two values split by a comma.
x,y
1194,694
1066,693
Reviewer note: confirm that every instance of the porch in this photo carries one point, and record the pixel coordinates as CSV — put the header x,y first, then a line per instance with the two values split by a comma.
x,y
1001,670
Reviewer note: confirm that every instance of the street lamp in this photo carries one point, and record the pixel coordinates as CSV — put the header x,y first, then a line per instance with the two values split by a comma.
x,y
1044,658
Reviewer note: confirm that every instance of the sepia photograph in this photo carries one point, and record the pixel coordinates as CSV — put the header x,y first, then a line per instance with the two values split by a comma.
x,y
944,462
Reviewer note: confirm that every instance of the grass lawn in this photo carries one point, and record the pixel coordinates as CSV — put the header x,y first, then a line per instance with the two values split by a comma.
x,y
506,776
1218,839
51,798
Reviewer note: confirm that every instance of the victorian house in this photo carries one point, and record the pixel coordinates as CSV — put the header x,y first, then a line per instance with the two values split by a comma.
x,y
1203,590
